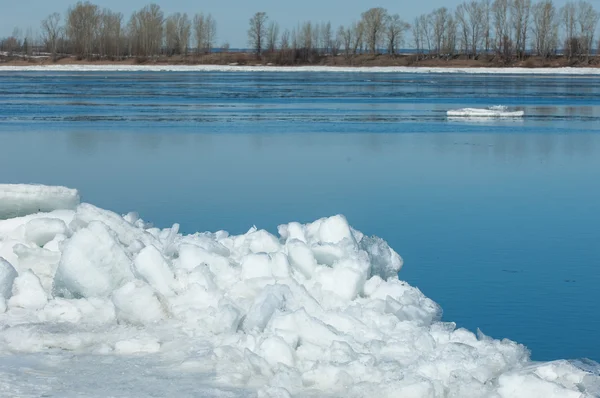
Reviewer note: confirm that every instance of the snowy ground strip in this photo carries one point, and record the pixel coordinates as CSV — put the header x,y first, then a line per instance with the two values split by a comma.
x,y
88,296
261,68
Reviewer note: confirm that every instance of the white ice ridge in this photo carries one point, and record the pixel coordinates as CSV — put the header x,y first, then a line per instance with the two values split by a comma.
x,y
499,111
19,200
101,304
261,68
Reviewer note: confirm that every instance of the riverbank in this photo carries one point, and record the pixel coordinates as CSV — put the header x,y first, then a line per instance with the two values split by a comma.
x,y
571,71
279,60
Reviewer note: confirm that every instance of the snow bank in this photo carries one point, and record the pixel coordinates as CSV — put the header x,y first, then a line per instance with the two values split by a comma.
x,y
491,112
249,68
318,310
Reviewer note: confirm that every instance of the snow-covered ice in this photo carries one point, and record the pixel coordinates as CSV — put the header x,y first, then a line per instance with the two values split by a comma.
x,y
260,68
19,200
97,304
498,111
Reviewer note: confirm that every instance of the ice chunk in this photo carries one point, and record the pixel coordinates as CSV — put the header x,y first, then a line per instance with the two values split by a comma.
x,y
292,231
530,385
262,265
256,266
151,266
28,292
227,319
126,233
18,200
275,350
308,328
42,230
385,262
41,262
61,310
343,281
138,304
92,264
334,229
137,346
493,111
301,258
7,277
271,299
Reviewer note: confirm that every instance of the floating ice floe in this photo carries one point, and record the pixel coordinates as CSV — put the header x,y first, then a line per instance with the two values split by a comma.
x,y
99,304
498,111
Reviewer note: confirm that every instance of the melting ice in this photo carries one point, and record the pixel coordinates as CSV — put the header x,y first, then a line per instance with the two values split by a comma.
x,y
499,111
94,303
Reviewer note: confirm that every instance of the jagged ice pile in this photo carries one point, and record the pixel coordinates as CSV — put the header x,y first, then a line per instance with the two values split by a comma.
x,y
317,311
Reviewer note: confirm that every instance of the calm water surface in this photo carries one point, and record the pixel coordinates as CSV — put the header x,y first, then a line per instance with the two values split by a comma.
x,y
498,221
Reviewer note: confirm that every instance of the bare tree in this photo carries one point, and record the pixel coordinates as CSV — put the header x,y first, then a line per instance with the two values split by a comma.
x,y
316,38
284,46
520,22
439,19
587,18
417,35
146,30
463,24
356,35
257,32
171,39
210,33
335,44
427,27
503,42
199,31
327,37
82,27
272,34
568,16
205,32
345,37
487,23
305,40
177,33
29,42
184,31
544,29
110,33
374,22
395,29
449,40
51,33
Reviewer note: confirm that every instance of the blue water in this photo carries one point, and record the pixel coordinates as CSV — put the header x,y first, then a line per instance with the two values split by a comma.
x,y
498,221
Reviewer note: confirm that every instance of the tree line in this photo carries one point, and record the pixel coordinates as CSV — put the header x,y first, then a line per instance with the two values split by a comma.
x,y
508,29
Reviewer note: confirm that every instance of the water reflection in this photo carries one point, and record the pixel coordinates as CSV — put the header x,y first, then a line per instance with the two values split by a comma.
x,y
499,146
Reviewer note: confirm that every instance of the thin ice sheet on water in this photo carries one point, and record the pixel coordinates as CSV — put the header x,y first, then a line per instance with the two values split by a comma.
x,y
89,296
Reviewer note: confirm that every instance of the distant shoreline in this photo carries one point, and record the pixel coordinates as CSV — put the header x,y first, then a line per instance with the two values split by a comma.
x,y
398,64
567,71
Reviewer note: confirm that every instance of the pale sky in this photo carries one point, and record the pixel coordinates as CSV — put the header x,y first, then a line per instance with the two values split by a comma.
x,y
231,15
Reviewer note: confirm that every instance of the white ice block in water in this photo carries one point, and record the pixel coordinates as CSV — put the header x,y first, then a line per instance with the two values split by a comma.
x,y
317,311
20,199
491,112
